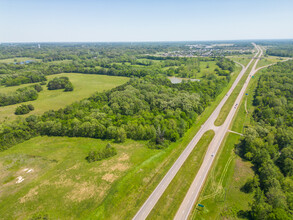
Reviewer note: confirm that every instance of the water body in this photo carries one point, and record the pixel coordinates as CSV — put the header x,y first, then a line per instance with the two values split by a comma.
x,y
176,80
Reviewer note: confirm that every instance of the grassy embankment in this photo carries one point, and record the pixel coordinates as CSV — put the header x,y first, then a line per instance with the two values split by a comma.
x,y
170,201
84,86
221,194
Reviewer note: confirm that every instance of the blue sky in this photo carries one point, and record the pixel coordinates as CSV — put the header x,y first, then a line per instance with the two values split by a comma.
x,y
148,20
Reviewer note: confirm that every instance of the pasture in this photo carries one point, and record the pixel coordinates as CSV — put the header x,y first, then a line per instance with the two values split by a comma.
x,y
84,86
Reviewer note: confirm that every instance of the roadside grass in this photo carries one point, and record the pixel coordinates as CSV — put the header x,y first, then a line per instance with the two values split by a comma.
x,y
243,117
129,194
84,86
62,184
229,202
230,101
170,201
222,195
18,59
268,60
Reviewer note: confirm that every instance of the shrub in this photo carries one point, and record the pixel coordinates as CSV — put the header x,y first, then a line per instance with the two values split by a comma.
x,y
68,87
60,83
101,154
24,109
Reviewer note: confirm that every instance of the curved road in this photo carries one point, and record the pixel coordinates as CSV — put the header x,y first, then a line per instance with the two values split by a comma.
x,y
220,132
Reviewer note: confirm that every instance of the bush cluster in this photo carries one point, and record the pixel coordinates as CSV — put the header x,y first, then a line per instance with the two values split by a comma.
x,y
60,83
104,153
24,109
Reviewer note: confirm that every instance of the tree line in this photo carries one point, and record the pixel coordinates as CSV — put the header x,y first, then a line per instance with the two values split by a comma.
x,y
268,143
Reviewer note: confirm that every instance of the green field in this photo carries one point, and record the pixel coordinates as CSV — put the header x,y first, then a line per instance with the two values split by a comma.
x,y
18,59
84,86
170,201
62,183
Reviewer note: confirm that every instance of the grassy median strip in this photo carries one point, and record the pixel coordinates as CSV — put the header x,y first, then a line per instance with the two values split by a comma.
x,y
170,201
230,101
222,191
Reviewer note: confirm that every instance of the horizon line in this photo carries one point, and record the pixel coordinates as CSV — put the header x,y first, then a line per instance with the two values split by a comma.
x,y
150,41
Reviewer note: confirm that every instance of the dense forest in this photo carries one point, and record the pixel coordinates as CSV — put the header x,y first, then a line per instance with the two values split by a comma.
x,y
268,143
282,48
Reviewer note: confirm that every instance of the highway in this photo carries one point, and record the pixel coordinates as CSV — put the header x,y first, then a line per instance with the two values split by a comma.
x,y
198,182
220,132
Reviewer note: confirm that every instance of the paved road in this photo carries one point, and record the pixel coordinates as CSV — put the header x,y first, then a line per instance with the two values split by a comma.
x,y
208,125
220,132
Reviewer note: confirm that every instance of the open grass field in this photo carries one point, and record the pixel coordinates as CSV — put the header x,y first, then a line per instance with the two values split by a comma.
x,y
84,86
58,180
243,59
222,195
170,201
269,60
18,59
207,68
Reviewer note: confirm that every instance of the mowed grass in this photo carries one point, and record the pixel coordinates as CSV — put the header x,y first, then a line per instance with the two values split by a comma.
x,y
222,195
84,86
170,201
61,183
18,59
230,101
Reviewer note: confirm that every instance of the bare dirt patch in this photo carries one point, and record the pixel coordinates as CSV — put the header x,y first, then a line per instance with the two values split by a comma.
x,y
119,167
123,157
30,195
109,177
82,191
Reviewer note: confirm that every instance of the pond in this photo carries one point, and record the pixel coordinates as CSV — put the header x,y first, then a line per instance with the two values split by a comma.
x,y
176,80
